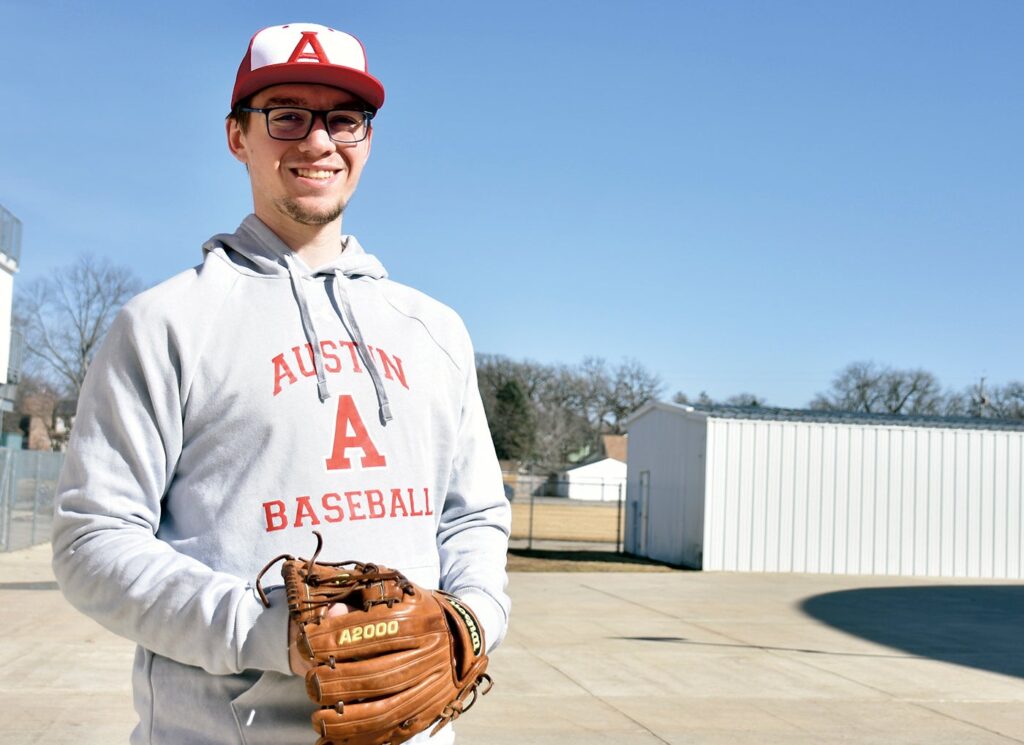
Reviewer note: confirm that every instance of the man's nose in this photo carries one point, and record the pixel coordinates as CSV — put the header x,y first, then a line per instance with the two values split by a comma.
x,y
318,136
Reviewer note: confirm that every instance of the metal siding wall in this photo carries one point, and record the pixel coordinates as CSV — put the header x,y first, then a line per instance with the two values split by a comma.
x,y
646,453
714,502
1014,485
670,447
692,502
772,498
833,498
787,487
665,526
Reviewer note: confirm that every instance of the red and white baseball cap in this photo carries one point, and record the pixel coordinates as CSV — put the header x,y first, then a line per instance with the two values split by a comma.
x,y
306,53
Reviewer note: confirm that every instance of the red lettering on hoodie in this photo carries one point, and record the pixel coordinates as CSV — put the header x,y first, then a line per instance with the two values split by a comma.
x,y
298,358
332,363
353,507
282,372
375,501
369,504
351,346
276,519
304,509
392,365
330,502
397,503
412,502
348,419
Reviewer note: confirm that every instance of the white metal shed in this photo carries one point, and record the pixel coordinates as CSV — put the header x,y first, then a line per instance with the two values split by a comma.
x,y
775,490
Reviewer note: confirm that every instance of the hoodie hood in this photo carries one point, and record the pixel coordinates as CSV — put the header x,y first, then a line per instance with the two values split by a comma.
x,y
255,250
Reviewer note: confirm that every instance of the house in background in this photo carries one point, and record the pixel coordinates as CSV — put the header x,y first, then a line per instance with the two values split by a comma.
x,y
781,490
602,478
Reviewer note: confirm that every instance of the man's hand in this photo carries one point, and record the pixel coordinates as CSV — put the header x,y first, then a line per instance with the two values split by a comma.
x,y
383,658
300,662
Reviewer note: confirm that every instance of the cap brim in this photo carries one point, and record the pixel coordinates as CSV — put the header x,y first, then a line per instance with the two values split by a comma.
x,y
358,83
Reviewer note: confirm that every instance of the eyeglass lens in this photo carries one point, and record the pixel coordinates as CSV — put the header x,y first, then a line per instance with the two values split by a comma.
x,y
295,124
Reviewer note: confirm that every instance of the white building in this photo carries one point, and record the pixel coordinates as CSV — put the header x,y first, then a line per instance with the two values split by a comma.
x,y
774,490
601,481
10,349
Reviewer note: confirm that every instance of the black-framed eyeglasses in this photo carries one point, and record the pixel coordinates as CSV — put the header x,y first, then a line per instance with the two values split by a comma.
x,y
295,123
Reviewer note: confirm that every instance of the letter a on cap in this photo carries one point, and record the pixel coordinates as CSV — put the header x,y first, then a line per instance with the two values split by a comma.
x,y
305,53
317,55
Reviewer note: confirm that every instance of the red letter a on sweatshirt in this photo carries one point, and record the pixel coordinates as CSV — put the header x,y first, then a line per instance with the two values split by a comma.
x,y
349,419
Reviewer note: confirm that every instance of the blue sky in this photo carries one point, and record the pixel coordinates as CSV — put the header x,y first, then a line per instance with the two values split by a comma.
x,y
744,196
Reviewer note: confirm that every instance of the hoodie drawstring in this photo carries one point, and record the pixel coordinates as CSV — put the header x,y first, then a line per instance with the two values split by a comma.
x,y
349,319
259,246
308,328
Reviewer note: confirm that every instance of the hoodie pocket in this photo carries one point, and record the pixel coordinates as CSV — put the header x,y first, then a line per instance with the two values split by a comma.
x,y
274,711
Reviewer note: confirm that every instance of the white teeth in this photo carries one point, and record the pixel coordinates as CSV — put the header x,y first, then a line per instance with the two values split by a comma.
x,y
308,173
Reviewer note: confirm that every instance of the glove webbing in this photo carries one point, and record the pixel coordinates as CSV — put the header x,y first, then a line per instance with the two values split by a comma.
x,y
335,588
453,709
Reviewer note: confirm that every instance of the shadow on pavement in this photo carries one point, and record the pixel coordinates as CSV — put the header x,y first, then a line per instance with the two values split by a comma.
x,y
977,626
29,586
585,555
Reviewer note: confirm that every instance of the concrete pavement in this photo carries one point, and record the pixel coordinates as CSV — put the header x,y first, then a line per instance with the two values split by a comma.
x,y
680,657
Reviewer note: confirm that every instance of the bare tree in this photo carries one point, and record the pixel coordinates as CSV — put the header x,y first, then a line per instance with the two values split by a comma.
x,y
858,387
632,385
563,427
914,392
569,407
593,385
703,399
979,400
65,317
870,388
1008,401
748,400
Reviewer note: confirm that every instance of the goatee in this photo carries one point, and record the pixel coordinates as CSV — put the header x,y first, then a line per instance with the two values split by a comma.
x,y
307,217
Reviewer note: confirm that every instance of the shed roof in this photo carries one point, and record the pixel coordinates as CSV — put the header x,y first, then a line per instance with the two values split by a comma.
x,y
772,413
597,465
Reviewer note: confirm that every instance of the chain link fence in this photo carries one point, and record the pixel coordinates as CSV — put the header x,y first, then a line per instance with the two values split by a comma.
x,y
586,514
542,509
28,482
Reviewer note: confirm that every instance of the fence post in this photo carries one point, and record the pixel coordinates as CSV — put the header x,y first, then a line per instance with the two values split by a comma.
x,y
618,522
533,497
5,496
35,497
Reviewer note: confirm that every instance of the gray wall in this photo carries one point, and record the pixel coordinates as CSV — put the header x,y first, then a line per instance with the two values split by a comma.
x,y
667,466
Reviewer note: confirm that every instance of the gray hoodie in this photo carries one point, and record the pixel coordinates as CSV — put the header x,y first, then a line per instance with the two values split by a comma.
x,y
232,410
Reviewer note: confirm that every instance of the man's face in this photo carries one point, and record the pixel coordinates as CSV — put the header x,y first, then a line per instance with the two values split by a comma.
x,y
305,181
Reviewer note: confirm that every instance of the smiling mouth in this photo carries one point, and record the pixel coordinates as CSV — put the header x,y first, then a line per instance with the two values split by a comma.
x,y
313,173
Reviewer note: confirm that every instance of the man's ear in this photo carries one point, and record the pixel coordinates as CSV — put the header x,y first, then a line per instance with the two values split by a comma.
x,y
236,140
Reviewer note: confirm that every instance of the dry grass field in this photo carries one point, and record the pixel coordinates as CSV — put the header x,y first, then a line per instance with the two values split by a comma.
x,y
556,519
539,560
567,521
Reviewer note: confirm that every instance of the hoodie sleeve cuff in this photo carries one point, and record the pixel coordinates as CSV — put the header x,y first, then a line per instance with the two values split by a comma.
x,y
264,633
489,613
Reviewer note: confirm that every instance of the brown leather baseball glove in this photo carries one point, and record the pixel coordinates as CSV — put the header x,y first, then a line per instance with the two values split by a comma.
x,y
400,660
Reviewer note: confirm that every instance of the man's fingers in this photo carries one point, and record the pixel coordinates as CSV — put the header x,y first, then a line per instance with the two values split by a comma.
x,y
338,609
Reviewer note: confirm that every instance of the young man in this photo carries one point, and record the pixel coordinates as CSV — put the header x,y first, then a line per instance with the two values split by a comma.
x,y
284,385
